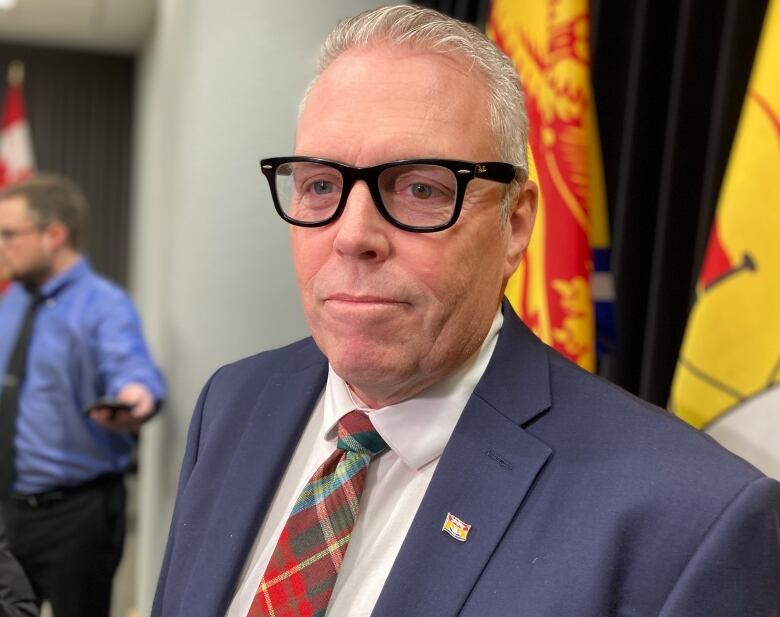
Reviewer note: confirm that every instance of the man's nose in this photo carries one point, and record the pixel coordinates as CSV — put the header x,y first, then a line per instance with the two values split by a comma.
x,y
361,230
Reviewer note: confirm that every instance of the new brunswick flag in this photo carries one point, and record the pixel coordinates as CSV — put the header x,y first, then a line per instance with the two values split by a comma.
x,y
728,374
553,288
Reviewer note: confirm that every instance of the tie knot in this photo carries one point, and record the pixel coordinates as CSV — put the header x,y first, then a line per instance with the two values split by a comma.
x,y
36,297
357,434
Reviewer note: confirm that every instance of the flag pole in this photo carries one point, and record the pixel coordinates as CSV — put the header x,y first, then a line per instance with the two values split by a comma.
x,y
16,73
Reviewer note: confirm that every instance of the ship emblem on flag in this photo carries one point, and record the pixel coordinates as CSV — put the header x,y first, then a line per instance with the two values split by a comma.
x,y
457,528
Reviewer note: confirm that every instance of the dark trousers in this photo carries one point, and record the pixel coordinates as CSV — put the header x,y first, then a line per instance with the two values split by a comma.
x,y
70,547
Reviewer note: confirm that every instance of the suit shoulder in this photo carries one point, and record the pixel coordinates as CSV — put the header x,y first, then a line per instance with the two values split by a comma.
x,y
234,385
605,416
298,356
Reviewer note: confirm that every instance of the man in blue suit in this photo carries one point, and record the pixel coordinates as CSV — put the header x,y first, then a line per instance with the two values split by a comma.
x,y
514,483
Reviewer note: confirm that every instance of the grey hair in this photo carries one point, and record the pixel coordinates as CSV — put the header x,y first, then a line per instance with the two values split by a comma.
x,y
425,29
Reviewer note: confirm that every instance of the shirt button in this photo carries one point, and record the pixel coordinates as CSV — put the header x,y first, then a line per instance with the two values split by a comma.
x,y
51,303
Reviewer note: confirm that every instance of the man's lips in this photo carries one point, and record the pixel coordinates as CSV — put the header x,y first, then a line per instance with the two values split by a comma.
x,y
362,299
357,305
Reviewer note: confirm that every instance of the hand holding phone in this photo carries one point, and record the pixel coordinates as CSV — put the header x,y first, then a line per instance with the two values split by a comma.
x,y
113,405
133,405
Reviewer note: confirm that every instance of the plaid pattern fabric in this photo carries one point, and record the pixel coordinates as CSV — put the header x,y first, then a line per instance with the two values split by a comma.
x,y
300,576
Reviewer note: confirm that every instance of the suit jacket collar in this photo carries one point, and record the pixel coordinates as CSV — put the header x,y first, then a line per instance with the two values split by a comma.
x,y
516,383
485,472
258,458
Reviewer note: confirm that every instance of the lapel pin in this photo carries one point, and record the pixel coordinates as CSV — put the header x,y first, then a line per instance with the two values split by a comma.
x,y
457,528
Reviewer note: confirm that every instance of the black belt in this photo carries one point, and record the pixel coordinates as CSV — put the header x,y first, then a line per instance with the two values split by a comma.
x,y
49,498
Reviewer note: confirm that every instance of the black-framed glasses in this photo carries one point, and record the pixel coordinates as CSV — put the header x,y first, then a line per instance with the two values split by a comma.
x,y
419,195
8,235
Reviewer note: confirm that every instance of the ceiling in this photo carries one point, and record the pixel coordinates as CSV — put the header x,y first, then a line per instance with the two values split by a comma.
x,y
105,25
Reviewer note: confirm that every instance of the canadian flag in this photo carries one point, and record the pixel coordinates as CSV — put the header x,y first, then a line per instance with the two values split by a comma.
x,y
16,152
17,161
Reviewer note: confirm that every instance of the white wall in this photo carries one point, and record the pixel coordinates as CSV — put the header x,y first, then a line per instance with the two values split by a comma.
x,y
218,82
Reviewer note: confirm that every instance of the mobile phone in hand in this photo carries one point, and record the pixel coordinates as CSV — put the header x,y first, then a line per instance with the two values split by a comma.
x,y
111,404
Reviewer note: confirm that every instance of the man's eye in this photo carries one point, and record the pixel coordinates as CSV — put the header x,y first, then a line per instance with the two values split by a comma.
x,y
321,187
421,191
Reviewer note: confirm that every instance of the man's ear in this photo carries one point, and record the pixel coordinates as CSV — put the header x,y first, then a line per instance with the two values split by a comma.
x,y
57,234
520,223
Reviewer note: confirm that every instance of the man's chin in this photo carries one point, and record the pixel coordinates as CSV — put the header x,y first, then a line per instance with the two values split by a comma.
x,y
28,281
362,364
31,278
367,340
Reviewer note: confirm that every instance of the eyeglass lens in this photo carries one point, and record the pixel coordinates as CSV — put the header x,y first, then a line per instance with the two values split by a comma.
x,y
8,235
420,195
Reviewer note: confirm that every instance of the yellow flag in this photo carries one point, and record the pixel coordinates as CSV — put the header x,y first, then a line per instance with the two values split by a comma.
x,y
728,374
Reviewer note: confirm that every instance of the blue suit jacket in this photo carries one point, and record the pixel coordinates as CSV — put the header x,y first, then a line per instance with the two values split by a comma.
x,y
584,501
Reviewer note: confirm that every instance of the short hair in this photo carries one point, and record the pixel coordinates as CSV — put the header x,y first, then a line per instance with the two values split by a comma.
x,y
420,28
51,197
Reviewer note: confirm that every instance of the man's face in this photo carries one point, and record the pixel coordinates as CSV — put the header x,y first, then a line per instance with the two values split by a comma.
x,y
25,247
396,311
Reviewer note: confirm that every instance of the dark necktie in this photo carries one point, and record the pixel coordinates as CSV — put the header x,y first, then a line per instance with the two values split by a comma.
x,y
9,395
300,576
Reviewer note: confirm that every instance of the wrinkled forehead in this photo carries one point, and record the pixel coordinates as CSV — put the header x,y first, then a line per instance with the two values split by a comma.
x,y
428,103
378,54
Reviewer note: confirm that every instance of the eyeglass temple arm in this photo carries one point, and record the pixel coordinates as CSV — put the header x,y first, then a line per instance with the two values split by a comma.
x,y
500,172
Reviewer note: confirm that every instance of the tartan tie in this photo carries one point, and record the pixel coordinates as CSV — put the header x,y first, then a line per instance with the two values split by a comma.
x,y
300,576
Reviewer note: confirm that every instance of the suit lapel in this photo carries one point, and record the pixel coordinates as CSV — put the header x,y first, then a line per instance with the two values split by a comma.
x,y
260,458
483,476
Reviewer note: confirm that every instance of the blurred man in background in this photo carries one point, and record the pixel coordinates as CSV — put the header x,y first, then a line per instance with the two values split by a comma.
x,y
78,382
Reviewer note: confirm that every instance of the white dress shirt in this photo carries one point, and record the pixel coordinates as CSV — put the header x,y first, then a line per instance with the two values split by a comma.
x,y
416,430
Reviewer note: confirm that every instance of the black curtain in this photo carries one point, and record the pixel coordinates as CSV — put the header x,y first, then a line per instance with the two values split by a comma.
x,y
669,80
669,83
80,111
471,11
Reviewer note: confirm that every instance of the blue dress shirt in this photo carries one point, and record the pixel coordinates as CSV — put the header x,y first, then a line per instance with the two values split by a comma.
x,y
86,344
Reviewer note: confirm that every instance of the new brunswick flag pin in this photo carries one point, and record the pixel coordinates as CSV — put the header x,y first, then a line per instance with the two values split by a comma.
x,y
457,528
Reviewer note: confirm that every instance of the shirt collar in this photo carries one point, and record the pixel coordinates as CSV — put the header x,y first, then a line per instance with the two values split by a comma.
x,y
416,429
55,284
